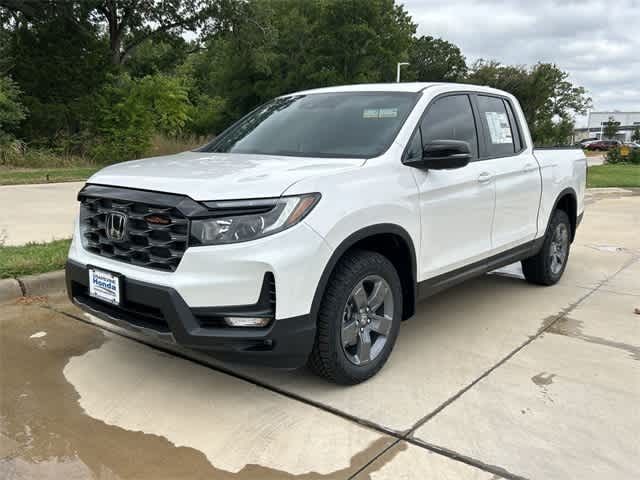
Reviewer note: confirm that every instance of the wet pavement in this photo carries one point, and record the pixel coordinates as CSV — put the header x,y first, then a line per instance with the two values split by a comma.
x,y
492,379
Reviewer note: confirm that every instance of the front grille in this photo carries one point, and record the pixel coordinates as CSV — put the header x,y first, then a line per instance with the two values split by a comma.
x,y
152,245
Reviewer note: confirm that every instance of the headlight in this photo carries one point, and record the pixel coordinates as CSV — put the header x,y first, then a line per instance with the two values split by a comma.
x,y
243,220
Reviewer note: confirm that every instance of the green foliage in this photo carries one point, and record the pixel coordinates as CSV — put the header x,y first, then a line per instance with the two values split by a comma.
x,y
129,111
636,135
159,56
102,78
58,68
615,155
359,41
610,128
435,60
12,111
548,99
283,46
207,115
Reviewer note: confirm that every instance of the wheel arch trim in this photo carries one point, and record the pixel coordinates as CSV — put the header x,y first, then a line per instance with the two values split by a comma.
x,y
353,239
570,191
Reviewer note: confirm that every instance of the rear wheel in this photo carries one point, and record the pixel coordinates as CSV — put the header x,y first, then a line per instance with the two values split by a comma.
x,y
359,318
548,265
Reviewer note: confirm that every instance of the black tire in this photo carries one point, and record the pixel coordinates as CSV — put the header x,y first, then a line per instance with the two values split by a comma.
x,y
329,359
541,268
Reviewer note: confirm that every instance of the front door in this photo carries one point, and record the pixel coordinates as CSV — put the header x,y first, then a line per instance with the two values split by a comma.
x,y
456,205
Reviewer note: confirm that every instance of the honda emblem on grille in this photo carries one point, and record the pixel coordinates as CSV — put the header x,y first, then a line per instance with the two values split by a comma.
x,y
115,226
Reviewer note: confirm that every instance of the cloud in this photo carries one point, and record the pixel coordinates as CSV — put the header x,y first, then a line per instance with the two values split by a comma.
x,y
595,41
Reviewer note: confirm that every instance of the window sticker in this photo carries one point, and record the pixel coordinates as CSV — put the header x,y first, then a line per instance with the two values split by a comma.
x,y
499,128
370,113
388,112
380,113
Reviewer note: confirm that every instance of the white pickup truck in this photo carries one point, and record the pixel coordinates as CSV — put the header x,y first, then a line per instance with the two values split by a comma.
x,y
306,231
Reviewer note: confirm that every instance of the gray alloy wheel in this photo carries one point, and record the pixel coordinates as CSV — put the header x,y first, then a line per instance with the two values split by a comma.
x,y
547,266
358,318
367,319
559,248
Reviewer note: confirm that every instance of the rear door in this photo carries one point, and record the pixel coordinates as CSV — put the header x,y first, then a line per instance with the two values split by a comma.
x,y
457,205
516,173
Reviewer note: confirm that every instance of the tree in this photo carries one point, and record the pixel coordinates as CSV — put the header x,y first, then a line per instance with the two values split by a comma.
x,y
610,128
11,110
359,41
128,23
58,67
435,60
272,48
636,135
548,99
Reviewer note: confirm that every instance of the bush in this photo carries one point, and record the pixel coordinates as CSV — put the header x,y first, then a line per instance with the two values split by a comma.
x,y
614,156
11,110
130,111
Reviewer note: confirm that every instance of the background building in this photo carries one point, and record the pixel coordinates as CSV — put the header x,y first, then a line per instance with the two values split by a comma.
x,y
627,123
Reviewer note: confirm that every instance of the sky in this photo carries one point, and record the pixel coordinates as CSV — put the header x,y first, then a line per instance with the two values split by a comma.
x,y
596,42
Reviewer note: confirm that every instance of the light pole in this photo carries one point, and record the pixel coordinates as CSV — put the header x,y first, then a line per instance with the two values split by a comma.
x,y
400,64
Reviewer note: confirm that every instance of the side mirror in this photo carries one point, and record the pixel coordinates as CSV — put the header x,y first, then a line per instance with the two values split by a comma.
x,y
443,155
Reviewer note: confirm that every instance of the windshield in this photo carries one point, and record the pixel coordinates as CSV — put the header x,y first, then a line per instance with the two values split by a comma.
x,y
346,124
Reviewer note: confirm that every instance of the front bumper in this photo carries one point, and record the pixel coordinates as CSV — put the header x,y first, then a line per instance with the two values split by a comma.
x,y
161,312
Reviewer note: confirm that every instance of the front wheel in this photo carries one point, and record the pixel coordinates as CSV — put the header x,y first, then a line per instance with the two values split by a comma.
x,y
359,318
548,265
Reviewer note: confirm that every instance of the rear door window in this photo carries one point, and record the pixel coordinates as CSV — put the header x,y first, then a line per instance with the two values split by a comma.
x,y
498,135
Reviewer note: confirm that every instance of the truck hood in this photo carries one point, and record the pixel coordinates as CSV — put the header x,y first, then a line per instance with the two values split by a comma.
x,y
219,176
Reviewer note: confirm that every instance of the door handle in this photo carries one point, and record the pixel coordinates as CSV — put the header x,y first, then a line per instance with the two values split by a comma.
x,y
485,177
529,167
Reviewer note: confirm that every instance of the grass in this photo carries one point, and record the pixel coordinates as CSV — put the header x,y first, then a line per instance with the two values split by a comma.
x,y
33,258
21,176
20,165
618,175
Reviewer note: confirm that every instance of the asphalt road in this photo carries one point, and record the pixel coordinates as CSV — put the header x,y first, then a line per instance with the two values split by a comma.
x,y
492,379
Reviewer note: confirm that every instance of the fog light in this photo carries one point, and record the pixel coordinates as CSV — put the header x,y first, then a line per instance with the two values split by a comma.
x,y
247,321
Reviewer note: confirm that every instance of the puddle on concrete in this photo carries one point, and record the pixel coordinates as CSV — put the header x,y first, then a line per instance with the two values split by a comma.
x,y
45,434
573,328
607,248
543,379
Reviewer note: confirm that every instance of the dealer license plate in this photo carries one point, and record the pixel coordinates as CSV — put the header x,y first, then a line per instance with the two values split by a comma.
x,y
104,286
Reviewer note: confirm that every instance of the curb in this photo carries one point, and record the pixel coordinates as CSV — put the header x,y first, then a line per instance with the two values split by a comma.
x,y
9,289
44,284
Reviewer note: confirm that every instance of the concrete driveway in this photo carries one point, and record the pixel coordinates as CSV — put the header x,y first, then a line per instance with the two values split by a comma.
x,y
37,213
492,379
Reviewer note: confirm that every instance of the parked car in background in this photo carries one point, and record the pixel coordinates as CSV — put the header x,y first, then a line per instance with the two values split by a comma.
x,y
603,145
308,230
633,145
584,142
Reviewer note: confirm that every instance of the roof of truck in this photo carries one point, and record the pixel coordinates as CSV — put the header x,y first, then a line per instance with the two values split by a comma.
x,y
397,87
